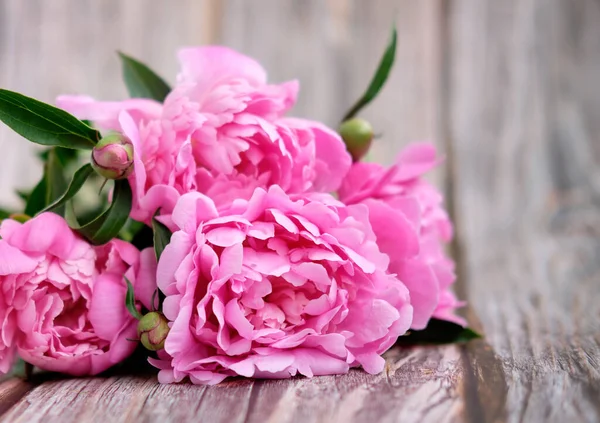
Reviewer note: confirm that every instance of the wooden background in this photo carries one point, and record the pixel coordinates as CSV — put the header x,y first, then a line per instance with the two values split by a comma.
x,y
510,92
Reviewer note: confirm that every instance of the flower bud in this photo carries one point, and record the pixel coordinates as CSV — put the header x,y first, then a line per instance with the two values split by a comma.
x,y
152,330
112,157
357,134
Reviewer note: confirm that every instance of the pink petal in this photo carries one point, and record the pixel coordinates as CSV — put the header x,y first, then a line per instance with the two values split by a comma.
x,y
209,65
13,261
107,312
225,236
235,317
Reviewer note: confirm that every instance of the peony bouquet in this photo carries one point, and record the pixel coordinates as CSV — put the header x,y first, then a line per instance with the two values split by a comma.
x,y
233,239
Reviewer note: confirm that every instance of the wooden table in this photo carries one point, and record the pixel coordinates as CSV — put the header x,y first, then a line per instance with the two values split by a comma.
x,y
509,90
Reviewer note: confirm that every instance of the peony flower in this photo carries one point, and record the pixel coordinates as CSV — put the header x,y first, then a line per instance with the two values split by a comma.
x,y
221,131
399,194
62,301
244,141
271,287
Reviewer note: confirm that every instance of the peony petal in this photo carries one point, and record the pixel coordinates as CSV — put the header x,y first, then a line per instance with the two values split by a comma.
x,y
423,287
225,236
314,272
415,160
13,261
107,313
267,263
145,279
235,317
105,114
209,65
372,363
191,209
396,236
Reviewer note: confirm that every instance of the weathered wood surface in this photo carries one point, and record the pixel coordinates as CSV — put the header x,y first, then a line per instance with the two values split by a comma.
x,y
507,89
523,124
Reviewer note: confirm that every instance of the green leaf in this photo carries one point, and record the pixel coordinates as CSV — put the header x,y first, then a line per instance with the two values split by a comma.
x,y
44,124
162,237
130,301
4,214
65,155
438,332
381,75
37,198
108,224
55,181
77,182
50,187
130,230
141,81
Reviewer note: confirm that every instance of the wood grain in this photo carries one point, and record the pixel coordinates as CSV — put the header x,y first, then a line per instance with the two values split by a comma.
x,y
412,378
11,391
524,110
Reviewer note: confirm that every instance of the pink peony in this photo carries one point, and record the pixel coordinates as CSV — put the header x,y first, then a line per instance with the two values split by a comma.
x,y
62,302
399,194
244,142
273,287
221,132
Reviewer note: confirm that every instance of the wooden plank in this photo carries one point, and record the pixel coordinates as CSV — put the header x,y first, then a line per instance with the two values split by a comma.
x,y
11,391
418,385
523,119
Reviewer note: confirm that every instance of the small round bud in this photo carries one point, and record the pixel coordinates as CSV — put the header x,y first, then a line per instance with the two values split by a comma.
x,y
152,330
112,157
357,134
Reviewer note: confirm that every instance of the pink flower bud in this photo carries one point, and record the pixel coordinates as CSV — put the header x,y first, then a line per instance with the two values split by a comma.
x,y
357,134
152,330
112,157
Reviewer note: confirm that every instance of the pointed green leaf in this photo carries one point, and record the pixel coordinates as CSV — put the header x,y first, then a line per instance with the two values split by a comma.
x,y
108,224
77,182
130,301
381,75
141,81
162,237
438,332
44,124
